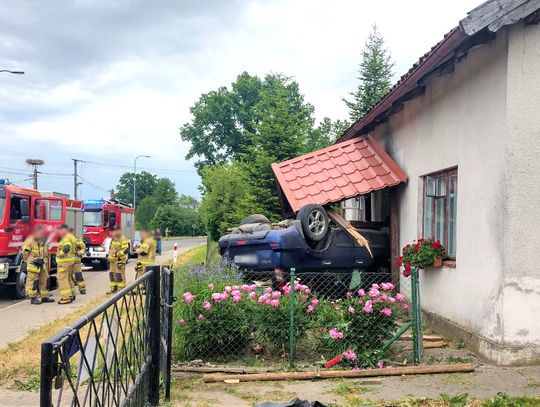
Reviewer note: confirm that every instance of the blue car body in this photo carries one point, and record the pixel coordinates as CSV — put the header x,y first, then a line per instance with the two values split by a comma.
x,y
262,252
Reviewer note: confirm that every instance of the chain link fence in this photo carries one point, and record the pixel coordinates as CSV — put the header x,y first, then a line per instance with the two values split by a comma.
x,y
299,318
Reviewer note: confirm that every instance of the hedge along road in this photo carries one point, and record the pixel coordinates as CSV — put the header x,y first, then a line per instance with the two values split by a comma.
x,y
17,317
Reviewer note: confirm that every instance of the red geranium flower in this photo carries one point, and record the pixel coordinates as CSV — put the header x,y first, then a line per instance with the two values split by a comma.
x,y
436,245
408,266
416,248
400,261
406,273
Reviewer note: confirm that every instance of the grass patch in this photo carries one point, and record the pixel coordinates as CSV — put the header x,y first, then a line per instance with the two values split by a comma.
x,y
20,360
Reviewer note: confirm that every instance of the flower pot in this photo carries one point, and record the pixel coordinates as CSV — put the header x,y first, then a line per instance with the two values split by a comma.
x,y
437,262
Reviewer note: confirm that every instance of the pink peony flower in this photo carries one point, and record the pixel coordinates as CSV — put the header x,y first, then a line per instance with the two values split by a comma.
x,y
216,296
211,286
386,311
335,334
374,292
376,286
349,294
349,354
245,287
361,292
391,300
223,296
252,295
405,306
268,290
182,321
235,292
314,302
200,317
310,309
188,297
384,297
360,302
387,286
237,298
207,306
368,307
274,303
276,295
228,289
400,297
380,364
351,310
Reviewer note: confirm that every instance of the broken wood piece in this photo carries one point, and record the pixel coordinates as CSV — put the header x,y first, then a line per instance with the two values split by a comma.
x,y
232,381
426,338
217,369
330,374
429,345
350,229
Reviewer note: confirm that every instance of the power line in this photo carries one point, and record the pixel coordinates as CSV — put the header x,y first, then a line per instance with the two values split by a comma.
x,y
142,168
93,185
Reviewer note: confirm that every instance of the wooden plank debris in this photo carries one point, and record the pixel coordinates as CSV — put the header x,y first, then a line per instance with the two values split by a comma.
x,y
347,227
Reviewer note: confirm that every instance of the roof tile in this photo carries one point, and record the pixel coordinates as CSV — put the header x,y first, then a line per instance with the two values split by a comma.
x,y
344,170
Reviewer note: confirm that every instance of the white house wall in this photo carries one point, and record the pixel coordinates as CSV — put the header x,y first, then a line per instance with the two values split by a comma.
x,y
461,120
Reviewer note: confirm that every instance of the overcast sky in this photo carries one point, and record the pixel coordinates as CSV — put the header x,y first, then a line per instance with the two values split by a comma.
x,y
107,80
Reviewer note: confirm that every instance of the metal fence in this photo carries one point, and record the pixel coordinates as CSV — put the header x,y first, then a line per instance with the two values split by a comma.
x,y
354,318
112,355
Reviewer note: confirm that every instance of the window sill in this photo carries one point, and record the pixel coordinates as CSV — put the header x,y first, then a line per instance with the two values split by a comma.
x,y
449,263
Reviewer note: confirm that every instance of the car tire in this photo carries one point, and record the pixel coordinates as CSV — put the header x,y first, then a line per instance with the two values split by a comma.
x,y
18,290
256,218
314,221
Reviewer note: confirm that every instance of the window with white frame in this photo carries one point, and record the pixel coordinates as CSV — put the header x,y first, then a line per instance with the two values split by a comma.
x,y
440,209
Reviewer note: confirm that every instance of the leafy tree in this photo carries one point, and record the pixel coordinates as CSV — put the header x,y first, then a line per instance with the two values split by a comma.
x,y
226,198
181,221
188,202
165,191
146,210
146,184
326,133
375,74
220,119
284,124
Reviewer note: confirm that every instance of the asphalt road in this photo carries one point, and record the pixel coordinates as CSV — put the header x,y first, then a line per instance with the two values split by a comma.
x,y
6,300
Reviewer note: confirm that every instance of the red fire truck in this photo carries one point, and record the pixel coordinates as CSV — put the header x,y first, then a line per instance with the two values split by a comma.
x,y
100,215
21,209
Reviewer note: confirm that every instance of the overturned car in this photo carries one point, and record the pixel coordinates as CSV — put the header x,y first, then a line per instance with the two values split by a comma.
x,y
322,253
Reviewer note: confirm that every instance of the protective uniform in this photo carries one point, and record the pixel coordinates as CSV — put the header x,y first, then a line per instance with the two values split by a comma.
x,y
80,250
65,259
35,254
118,258
147,256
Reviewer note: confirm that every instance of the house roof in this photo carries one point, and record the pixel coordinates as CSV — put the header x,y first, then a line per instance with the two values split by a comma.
x,y
485,19
338,172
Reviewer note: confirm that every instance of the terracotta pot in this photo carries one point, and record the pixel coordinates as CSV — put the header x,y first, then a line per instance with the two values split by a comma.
x,y
437,262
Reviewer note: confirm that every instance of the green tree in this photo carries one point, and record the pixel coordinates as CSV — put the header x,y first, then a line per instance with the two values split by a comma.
x,y
226,198
146,184
165,191
181,221
281,132
375,74
220,119
146,209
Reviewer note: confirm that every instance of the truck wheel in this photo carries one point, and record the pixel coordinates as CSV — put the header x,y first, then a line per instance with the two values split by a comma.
x,y
19,288
314,221
255,219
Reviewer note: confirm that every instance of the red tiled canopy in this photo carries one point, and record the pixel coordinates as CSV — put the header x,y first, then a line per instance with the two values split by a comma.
x,y
344,170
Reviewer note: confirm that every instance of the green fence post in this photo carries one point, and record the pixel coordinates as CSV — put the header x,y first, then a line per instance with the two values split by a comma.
x,y
417,328
292,327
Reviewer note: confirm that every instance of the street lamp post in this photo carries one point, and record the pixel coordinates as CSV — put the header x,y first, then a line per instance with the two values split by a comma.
x,y
135,176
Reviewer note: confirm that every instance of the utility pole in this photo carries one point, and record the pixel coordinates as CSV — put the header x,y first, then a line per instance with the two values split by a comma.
x,y
34,162
111,192
75,178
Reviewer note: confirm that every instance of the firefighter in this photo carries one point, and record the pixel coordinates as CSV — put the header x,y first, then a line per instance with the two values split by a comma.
x,y
35,254
118,254
77,275
146,252
66,258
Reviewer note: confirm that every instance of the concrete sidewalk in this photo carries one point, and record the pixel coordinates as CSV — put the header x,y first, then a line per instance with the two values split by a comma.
x,y
18,319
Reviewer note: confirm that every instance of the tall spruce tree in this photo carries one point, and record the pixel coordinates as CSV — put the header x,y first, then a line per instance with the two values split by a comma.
x,y
375,73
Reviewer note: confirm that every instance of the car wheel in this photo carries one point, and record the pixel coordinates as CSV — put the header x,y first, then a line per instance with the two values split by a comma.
x,y
257,218
18,290
314,221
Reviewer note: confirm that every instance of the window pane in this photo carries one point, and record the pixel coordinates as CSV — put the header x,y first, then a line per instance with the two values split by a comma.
x,y
441,186
430,186
428,216
56,210
452,214
440,210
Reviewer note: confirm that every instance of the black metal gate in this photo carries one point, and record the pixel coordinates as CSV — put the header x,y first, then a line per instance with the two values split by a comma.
x,y
113,355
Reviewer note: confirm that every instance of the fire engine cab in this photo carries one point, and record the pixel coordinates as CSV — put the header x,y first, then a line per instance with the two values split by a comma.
x,y
21,209
100,216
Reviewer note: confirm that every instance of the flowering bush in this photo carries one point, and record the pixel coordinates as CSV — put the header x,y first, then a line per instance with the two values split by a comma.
x,y
358,326
272,316
213,313
420,254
